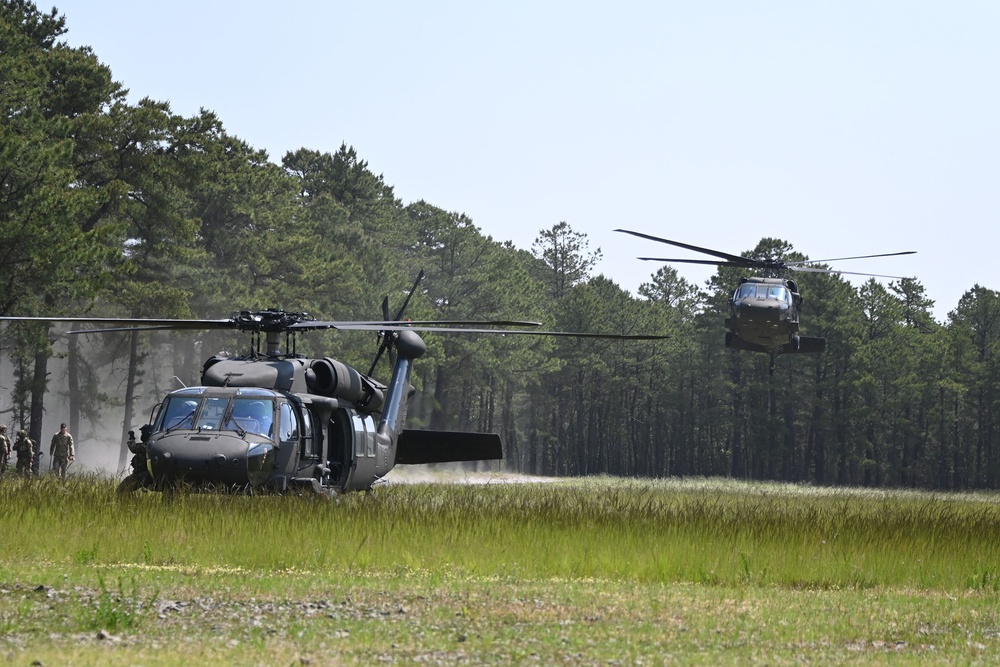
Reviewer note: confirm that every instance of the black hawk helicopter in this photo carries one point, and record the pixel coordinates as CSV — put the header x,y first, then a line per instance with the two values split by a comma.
x,y
274,419
765,310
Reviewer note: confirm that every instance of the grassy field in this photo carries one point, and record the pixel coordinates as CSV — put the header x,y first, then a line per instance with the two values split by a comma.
x,y
597,571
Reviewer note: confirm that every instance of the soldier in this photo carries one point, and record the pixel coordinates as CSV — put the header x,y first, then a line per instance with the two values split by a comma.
x,y
25,448
139,477
61,450
5,449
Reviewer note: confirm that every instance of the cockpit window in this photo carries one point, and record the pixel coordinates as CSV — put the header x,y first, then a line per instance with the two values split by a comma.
x,y
760,291
215,413
253,415
212,412
178,413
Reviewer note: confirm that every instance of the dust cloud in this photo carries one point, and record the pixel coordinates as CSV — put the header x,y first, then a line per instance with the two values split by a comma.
x,y
98,457
457,473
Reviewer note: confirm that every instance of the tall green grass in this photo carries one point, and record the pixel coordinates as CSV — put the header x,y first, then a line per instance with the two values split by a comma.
x,y
710,531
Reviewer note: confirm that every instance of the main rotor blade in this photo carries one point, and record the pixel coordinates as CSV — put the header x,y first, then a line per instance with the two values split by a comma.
x,y
520,332
841,259
715,253
117,329
429,326
373,325
401,326
813,269
139,324
124,321
746,264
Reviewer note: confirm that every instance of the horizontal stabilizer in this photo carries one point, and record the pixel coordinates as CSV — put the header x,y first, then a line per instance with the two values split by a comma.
x,y
447,446
807,345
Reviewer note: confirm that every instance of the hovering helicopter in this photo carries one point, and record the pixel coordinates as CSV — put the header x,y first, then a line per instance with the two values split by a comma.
x,y
274,419
765,310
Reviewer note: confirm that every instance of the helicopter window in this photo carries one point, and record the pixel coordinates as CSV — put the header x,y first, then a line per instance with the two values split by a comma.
x,y
178,413
746,291
360,435
776,292
287,424
310,444
253,415
307,426
212,411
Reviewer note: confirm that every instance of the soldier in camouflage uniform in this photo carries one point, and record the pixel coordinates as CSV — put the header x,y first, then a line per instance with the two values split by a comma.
x,y
140,473
25,448
5,449
61,450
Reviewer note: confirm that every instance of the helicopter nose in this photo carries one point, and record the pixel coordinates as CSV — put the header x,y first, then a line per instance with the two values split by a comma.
x,y
760,311
217,459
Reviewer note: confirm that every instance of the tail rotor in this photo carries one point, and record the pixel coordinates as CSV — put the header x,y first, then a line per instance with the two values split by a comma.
x,y
389,336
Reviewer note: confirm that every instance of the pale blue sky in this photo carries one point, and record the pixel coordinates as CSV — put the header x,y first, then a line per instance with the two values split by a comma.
x,y
845,128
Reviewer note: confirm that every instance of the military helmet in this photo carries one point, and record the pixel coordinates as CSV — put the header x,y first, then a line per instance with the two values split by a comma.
x,y
22,433
3,428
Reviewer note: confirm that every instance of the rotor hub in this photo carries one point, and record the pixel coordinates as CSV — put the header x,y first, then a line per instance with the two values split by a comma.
x,y
271,320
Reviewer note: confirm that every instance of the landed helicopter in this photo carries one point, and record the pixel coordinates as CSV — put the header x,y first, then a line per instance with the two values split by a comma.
x,y
275,420
765,310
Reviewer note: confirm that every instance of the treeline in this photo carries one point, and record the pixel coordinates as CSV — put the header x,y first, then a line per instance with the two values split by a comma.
x,y
109,208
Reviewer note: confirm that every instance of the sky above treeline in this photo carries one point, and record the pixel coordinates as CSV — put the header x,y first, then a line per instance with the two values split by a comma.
x,y
848,128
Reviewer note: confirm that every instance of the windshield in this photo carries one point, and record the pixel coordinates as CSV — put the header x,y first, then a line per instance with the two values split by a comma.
x,y
178,413
218,413
253,415
749,290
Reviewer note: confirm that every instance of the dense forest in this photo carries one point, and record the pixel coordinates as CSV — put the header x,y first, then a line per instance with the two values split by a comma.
x,y
112,208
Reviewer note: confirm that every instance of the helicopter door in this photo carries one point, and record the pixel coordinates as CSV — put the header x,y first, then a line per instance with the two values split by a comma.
x,y
340,452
